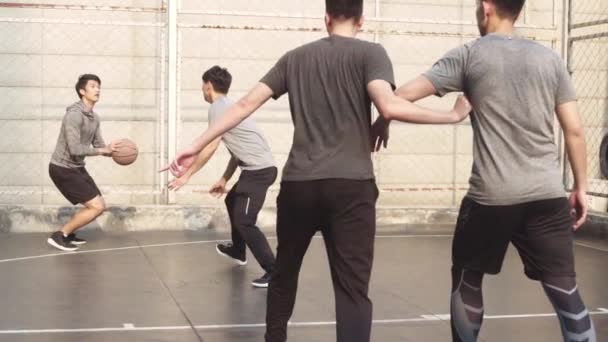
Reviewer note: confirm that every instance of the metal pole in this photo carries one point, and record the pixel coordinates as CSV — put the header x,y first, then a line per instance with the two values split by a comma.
x,y
565,52
376,156
172,92
162,131
554,13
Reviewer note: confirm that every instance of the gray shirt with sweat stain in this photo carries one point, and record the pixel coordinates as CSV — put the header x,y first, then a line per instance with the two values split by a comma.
x,y
514,85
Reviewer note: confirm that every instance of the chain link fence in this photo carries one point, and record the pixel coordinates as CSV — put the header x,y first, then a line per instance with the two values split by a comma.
x,y
45,46
424,165
128,44
588,65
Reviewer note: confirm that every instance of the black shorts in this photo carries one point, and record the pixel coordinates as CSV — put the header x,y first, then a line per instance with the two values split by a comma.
x,y
76,185
540,230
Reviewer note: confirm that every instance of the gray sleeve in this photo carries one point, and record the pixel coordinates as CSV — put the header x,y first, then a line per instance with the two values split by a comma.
x,y
211,115
378,66
216,111
565,89
276,78
448,74
71,125
98,141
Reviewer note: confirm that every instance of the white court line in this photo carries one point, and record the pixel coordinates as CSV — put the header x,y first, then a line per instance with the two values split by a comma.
x,y
592,247
90,330
131,328
110,250
412,236
177,244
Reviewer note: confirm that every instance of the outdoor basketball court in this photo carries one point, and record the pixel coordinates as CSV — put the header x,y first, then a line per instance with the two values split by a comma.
x,y
172,286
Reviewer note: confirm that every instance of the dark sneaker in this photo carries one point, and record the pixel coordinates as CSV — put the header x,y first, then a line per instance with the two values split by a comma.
x,y
76,241
262,282
59,241
228,251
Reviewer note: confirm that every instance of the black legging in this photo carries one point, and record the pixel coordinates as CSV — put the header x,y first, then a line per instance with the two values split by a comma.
x,y
467,307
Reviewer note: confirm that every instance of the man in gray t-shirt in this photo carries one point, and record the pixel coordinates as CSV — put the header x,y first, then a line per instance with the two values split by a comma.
x,y
249,151
328,182
516,195
515,84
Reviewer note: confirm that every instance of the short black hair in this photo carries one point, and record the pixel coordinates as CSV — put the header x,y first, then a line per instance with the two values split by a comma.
x,y
509,8
83,80
219,77
344,8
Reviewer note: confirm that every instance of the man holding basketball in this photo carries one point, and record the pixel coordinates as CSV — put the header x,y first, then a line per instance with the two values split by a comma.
x,y
79,130
249,151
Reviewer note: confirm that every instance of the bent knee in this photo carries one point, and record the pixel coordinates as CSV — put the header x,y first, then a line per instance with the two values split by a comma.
x,y
98,204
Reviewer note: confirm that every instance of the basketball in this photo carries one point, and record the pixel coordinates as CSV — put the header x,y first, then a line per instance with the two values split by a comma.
x,y
127,152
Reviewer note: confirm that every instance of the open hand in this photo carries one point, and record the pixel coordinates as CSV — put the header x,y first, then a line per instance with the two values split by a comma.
x,y
578,202
218,189
109,149
179,165
177,183
462,107
380,134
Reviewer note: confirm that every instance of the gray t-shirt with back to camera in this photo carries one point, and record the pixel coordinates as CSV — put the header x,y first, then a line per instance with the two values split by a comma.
x,y
514,86
330,107
245,142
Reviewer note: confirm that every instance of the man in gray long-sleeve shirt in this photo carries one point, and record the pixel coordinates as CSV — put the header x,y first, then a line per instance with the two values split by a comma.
x,y
79,130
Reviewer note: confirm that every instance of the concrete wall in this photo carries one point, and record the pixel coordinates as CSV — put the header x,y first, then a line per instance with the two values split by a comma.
x,y
43,60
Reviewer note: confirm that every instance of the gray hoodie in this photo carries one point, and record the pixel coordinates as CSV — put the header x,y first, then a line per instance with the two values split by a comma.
x,y
79,130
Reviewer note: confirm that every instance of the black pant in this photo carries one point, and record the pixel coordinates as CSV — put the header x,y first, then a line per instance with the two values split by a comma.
x,y
244,201
345,212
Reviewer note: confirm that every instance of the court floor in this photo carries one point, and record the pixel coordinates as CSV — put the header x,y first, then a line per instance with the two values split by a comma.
x,y
172,286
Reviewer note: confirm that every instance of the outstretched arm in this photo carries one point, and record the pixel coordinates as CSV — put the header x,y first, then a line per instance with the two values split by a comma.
x,y
200,161
230,119
392,107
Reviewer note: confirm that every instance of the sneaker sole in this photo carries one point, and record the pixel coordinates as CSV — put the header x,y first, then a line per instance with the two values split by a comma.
x,y
259,285
78,243
236,261
65,249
